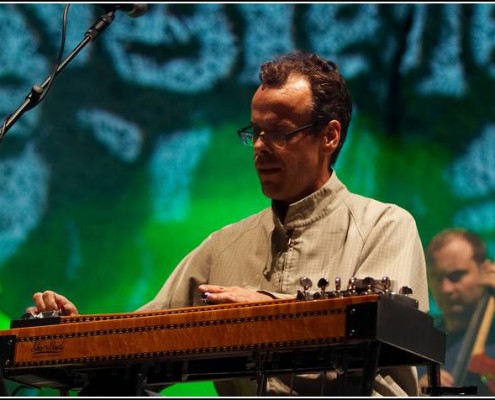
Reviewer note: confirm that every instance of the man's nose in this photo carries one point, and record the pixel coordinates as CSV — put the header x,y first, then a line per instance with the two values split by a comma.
x,y
447,285
260,145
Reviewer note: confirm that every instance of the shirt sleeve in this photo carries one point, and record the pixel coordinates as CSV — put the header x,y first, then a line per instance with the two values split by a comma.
x,y
180,288
392,247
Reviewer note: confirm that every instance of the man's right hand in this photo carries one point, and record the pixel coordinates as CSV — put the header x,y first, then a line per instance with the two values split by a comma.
x,y
51,301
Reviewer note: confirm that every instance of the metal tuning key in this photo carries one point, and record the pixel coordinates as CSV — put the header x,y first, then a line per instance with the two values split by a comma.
x,y
323,294
351,287
405,293
306,283
404,296
369,284
386,284
337,292
405,290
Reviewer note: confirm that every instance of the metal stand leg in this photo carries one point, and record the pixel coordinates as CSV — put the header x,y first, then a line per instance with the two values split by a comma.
x,y
261,379
433,370
323,381
291,389
140,384
436,389
370,368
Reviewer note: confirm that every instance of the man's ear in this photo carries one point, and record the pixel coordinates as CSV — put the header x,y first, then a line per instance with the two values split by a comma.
x,y
331,136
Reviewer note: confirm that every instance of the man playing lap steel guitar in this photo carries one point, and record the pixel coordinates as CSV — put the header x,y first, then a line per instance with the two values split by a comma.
x,y
315,227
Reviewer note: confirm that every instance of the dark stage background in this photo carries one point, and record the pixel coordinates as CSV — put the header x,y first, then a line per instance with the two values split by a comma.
x,y
132,159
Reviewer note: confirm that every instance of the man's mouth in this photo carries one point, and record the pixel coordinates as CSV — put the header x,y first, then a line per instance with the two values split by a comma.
x,y
455,307
267,169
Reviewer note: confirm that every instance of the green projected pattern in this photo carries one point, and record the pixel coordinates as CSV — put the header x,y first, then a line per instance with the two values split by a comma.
x,y
132,160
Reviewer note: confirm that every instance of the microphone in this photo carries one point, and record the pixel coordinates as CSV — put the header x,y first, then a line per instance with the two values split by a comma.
x,y
133,10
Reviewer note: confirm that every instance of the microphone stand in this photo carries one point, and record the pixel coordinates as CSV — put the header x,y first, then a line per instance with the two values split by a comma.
x,y
34,97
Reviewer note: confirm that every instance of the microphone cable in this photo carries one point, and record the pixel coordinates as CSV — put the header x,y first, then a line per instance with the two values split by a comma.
x,y
60,54
37,92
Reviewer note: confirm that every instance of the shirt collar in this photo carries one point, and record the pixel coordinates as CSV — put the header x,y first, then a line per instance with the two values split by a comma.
x,y
314,206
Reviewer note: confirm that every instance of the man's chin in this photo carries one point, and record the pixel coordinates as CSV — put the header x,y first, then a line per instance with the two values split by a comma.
x,y
270,188
458,312
457,309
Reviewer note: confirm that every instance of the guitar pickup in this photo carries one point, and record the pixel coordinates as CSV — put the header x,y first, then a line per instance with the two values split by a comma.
x,y
42,318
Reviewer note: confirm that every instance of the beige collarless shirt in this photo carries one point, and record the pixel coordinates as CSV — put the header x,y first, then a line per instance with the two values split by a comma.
x,y
330,233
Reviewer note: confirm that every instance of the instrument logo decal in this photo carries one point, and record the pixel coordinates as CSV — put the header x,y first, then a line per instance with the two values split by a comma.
x,y
54,347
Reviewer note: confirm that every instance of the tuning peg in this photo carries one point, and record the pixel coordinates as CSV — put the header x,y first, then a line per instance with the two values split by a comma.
x,y
322,284
337,292
351,287
405,290
386,284
305,282
300,295
368,283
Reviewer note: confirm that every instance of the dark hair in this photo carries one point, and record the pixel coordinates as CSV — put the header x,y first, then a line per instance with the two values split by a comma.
x,y
447,235
331,98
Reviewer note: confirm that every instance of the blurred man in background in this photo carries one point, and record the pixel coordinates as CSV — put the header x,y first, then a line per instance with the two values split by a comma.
x,y
461,278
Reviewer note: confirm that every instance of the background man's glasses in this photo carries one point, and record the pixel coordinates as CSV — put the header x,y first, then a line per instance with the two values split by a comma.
x,y
249,135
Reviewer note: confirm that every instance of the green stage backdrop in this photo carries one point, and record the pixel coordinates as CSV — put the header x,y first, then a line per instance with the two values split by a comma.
x,y
132,159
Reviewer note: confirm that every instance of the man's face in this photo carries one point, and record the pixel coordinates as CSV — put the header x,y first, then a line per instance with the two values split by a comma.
x,y
291,173
454,282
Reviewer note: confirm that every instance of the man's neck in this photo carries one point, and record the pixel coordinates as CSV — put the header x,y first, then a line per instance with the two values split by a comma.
x,y
280,209
458,324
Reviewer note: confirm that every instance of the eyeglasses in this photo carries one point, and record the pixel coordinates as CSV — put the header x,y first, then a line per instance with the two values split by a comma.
x,y
249,135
